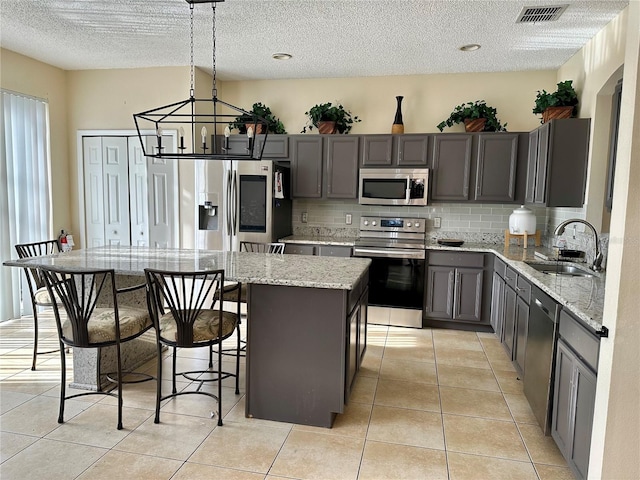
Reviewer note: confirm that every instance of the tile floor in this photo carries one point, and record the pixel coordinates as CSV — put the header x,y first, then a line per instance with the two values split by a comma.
x,y
428,404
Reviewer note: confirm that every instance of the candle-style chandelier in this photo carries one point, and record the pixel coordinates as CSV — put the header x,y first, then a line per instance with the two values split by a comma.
x,y
206,119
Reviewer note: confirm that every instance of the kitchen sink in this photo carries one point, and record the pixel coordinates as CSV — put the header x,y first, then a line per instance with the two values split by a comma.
x,y
560,269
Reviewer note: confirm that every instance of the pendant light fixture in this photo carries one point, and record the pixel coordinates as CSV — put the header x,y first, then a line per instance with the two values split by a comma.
x,y
207,120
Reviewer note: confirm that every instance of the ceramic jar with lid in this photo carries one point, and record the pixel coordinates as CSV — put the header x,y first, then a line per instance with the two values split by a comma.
x,y
521,221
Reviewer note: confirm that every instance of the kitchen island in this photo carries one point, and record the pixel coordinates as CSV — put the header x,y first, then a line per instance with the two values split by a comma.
x,y
307,330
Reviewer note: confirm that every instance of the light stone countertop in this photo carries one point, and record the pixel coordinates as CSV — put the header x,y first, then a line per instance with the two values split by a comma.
x,y
317,240
584,297
260,268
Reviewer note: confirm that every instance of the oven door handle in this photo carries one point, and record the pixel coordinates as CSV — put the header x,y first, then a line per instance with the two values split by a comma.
x,y
390,253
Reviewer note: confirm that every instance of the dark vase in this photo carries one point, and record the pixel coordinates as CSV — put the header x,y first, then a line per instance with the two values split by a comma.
x,y
398,126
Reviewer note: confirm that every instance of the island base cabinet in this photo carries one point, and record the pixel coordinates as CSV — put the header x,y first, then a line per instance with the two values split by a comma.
x,y
306,353
573,407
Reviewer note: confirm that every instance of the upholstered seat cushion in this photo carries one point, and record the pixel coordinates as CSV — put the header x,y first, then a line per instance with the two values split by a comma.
x,y
231,293
205,327
102,326
42,297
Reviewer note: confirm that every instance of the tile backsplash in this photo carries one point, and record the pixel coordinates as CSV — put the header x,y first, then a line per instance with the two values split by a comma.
x,y
479,222
469,222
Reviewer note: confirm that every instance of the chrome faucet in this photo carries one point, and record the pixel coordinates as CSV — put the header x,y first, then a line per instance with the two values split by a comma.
x,y
596,266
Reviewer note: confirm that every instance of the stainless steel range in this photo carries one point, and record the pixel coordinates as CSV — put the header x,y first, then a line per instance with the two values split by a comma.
x,y
396,247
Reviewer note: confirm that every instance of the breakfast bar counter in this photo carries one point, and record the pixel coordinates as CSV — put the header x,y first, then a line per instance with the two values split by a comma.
x,y
306,334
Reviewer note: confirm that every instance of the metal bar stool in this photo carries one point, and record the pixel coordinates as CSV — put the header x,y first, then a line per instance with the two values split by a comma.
x,y
179,307
88,325
237,292
37,290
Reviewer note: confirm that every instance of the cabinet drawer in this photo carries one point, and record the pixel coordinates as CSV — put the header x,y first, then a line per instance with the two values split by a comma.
x,y
584,343
523,288
453,259
334,251
298,249
499,267
511,277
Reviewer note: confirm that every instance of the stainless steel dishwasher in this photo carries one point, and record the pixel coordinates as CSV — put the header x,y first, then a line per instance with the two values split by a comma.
x,y
542,335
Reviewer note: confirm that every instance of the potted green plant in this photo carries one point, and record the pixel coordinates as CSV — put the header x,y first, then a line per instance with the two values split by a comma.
x,y
273,123
477,117
559,104
328,118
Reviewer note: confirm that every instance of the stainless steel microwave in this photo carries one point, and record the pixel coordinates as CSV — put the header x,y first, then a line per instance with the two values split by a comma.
x,y
389,186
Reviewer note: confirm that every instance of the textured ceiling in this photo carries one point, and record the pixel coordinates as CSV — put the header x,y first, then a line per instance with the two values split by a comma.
x,y
327,38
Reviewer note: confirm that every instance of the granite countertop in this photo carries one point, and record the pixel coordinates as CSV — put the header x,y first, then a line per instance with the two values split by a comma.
x,y
582,296
319,240
260,268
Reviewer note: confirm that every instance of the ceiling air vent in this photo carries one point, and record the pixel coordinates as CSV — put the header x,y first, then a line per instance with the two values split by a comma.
x,y
541,14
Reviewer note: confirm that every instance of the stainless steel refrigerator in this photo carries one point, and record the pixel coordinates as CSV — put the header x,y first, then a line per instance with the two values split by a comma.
x,y
241,201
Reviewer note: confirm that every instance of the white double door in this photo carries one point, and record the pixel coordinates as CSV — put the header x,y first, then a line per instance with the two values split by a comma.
x,y
129,198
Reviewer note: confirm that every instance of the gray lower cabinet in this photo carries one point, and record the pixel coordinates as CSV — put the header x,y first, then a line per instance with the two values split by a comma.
x,y
522,325
574,392
357,341
455,287
315,357
517,296
497,304
299,249
557,164
321,250
397,151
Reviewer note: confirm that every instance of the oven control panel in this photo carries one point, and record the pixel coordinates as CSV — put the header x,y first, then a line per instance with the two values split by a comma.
x,y
392,224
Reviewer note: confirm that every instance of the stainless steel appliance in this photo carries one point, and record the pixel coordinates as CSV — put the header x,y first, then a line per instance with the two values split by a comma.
x,y
396,247
539,357
241,201
389,186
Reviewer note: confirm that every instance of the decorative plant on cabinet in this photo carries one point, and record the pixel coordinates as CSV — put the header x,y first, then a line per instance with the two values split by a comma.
x,y
328,118
477,117
559,104
273,123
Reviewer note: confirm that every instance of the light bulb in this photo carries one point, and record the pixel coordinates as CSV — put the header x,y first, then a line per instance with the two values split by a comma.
x,y
250,132
158,132
203,132
181,132
227,131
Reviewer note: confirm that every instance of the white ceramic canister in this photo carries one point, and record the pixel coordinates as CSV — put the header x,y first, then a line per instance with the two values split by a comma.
x,y
522,220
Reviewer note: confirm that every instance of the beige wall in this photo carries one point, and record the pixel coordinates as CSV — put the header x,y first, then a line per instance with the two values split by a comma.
x,y
28,76
428,99
107,100
616,438
595,69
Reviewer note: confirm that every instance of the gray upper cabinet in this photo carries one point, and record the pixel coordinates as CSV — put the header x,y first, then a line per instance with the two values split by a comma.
x,y
412,150
341,168
396,151
277,146
334,176
451,166
490,159
497,167
306,165
557,165
377,150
